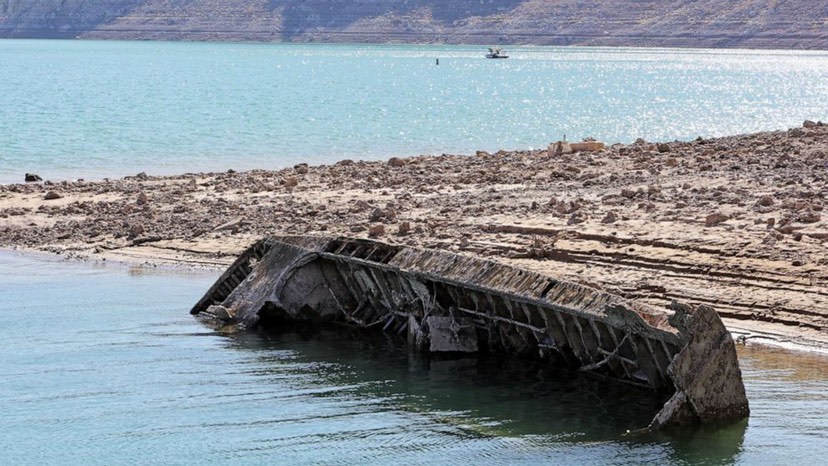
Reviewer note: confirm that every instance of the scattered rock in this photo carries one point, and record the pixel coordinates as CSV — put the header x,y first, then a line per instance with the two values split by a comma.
x,y
611,217
715,219
232,226
135,230
376,231
360,206
51,195
376,215
586,146
559,148
142,198
576,218
765,201
808,216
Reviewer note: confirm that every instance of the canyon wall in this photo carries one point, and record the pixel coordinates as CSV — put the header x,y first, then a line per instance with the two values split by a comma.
x,y
793,24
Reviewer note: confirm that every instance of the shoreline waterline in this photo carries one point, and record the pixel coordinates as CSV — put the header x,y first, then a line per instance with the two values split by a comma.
x,y
719,219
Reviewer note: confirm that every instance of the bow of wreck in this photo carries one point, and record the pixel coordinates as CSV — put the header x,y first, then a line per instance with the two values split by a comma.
x,y
448,303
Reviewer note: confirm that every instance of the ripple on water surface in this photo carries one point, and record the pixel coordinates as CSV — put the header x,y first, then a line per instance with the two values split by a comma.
x,y
106,366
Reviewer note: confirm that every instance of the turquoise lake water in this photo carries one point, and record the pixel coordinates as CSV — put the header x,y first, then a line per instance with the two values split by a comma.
x,y
84,109
102,364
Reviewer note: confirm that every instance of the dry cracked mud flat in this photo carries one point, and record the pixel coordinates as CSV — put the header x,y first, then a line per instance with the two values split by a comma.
x,y
734,222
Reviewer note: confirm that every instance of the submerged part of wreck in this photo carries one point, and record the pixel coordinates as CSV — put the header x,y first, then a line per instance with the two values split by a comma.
x,y
448,303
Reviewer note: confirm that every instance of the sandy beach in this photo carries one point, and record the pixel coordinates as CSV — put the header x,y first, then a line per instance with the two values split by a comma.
x,y
734,222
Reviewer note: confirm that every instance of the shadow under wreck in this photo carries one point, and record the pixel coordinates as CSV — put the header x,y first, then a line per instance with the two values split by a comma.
x,y
448,303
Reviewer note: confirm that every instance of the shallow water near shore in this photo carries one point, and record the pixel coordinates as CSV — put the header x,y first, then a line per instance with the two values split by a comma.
x,y
104,365
89,109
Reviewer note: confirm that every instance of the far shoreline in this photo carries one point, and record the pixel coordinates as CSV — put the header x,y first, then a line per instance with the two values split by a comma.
x,y
481,46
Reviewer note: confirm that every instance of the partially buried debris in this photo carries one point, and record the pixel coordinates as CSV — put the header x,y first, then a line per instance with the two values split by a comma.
x,y
448,303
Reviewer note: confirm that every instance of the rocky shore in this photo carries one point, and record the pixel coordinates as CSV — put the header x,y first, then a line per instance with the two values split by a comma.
x,y
735,222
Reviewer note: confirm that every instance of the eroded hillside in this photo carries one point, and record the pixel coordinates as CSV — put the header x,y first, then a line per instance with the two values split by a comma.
x,y
693,23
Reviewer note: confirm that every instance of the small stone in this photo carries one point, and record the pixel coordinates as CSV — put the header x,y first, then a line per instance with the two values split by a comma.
x,y
396,162
377,215
233,226
663,148
611,217
142,176
142,198
404,228
628,193
135,230
301,168
559,148
376,230
809,216
360,206
344,163
576,218
51,195
715,219
291,182
32,178
765,201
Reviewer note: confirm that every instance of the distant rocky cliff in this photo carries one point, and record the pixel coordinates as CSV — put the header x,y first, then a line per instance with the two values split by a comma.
x,y
672,23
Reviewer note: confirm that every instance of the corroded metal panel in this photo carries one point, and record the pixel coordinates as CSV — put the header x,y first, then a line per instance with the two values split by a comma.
x,y
454,303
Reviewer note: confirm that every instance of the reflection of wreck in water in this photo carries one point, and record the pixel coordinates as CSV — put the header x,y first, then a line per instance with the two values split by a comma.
x,y
448,303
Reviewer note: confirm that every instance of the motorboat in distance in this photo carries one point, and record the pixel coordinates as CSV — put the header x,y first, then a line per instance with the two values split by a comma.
x,y
496,53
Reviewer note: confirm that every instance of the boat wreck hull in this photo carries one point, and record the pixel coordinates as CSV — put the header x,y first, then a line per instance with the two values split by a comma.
x,y
448,303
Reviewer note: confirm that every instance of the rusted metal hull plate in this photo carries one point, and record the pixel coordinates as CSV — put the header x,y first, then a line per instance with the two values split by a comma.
x,y
444,302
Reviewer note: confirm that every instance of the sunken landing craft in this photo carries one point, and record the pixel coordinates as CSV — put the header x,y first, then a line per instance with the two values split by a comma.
x,y
448,303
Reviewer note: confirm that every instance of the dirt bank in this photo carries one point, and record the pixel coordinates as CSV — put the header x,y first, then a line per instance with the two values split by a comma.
x,y
735,222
